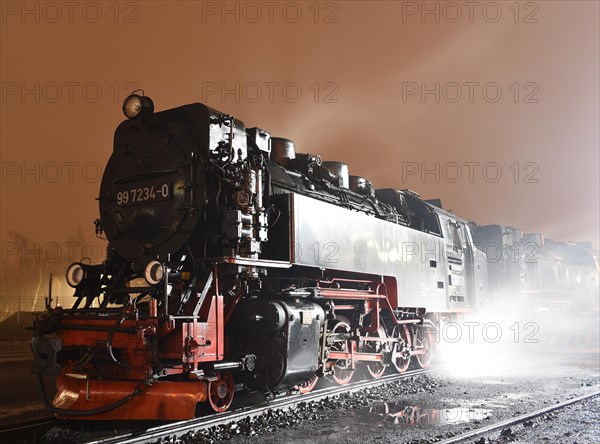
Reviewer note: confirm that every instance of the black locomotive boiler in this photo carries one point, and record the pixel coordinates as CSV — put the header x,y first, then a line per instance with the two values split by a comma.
x,y
235,261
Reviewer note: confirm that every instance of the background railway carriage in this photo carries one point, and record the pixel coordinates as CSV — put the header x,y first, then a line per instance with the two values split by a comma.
x,y
234,261
554,283
529,265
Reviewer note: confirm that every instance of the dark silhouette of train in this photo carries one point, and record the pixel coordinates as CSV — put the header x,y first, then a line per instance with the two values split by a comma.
x,y
234,261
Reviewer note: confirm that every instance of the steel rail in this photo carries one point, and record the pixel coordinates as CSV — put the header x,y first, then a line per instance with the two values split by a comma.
x,y
522,418
29,425
180,428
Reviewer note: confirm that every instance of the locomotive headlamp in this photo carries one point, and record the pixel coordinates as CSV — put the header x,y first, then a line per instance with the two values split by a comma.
x,y
75,274
138,106
154,272
132,106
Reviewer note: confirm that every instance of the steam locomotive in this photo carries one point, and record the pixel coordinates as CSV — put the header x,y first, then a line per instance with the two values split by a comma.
x,y
235,262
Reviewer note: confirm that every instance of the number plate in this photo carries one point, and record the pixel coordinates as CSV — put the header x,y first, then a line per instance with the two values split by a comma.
x,y
137,195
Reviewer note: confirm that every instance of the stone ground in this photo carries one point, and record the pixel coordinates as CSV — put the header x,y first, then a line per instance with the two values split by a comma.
x,y
427,409
430,409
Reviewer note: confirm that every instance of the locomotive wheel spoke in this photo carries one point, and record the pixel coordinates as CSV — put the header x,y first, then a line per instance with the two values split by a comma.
x,y
376,369
307,386
220,392
424,338
400,361
342,374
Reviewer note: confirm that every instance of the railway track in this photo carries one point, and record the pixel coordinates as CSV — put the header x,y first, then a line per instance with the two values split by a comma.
x,y
178,429
13,433
517,420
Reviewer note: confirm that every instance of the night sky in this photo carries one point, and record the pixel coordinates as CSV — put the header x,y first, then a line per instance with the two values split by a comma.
x,y
492,107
